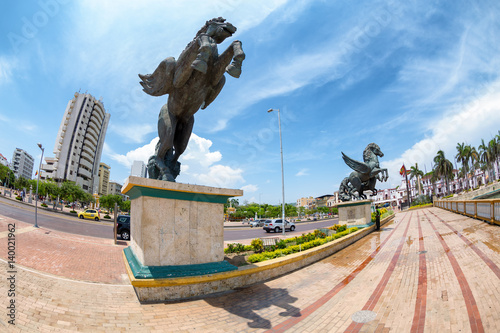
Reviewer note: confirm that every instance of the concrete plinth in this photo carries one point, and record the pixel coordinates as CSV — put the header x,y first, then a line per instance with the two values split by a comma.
x,y
176,229
355,212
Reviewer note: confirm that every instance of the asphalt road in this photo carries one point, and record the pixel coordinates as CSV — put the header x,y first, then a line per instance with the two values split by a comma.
x,y
55,221
102,229
234,234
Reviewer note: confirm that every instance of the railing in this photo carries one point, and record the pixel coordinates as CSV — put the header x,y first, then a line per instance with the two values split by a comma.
x,y
486,210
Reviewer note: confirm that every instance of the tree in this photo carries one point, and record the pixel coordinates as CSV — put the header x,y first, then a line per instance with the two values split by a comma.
x,y
125,206
415,172
7,176
443,168
70,192
463,156
108,201
473,160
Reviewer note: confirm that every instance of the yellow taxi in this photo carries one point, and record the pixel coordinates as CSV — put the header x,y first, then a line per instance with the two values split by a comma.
x,y
89,214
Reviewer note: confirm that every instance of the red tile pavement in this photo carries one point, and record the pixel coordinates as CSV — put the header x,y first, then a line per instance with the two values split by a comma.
x,y
453,287
420,304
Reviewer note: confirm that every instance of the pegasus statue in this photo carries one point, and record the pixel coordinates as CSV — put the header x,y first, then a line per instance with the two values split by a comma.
x,y
193,81
365,174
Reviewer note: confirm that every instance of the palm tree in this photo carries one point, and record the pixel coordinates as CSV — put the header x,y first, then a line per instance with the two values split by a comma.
x,y
463,155
493,148
415,172
443,168
473,161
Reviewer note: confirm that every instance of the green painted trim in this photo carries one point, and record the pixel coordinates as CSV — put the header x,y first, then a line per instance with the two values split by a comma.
x,y
354,204
139,191
174,271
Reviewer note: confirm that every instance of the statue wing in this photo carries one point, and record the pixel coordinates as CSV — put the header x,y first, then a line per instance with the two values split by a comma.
x,y
355,165
161,81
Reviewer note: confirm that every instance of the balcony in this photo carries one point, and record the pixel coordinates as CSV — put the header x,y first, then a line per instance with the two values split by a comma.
x,y
84,173
86,163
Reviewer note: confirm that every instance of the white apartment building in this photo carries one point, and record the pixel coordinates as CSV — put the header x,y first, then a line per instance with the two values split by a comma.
x,y
138,169
22,164
79,143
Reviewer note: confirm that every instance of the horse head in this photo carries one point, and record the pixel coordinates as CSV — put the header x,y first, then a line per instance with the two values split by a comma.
x,y
218,29
370,150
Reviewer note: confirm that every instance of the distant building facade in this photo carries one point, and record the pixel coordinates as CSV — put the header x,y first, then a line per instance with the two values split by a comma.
x,y
103,179
306,202
22,164
116,188
79,143
3,160
138,169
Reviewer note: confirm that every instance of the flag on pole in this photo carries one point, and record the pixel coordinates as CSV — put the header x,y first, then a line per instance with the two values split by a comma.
x,y
36,173
402,171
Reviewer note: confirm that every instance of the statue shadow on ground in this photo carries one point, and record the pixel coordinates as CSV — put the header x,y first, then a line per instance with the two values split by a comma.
x,y
244,303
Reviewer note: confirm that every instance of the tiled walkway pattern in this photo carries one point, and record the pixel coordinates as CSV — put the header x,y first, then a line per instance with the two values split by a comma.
x,y
430,270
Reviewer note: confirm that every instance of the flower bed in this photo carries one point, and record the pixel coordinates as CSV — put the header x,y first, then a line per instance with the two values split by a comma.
x,y
254,253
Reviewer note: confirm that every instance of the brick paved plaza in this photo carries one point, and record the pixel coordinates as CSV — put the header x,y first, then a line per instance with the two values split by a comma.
x,y
427,270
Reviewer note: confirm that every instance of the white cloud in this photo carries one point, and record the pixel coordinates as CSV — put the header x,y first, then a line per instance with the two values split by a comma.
x,y
197,163
476,120
132,132
140,154
198,151
6,67
250,188
302,172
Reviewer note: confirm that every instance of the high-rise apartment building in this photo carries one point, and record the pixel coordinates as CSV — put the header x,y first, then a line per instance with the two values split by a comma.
x,y
138,169
22,164
79,143
103,179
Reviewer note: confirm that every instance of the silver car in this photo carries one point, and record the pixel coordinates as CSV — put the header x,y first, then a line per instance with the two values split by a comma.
x,y
257,223
276,225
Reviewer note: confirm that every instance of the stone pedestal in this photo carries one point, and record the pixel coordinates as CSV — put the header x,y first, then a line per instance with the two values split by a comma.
x,y
176,229
355,212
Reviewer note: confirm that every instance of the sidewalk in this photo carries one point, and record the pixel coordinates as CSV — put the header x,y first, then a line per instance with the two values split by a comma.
x,y
428,270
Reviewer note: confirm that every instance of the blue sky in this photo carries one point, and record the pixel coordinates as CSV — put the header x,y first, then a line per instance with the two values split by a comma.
x,y
412,76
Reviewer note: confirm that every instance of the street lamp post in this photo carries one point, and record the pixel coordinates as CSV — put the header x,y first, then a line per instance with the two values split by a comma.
x,y
37,180
282,173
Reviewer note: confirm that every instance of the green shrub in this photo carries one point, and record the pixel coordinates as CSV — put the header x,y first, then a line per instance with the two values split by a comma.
x,y
72,211
44,205
257,245
339,227
281,244
19,198
234,248
107,216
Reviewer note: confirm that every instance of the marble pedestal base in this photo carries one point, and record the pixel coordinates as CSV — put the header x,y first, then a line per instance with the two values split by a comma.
x,y
355,212
176,229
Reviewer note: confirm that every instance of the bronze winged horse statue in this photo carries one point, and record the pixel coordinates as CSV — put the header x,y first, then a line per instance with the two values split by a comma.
x,y
365,174
192,82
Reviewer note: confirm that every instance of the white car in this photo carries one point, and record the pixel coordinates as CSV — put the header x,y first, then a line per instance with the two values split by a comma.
x,y
276,225
257,223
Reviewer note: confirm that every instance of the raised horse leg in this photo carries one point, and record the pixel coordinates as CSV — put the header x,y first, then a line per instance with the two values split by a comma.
x,y
233,52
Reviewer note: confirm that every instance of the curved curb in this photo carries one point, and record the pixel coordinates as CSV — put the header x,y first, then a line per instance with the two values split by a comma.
x,y
157,290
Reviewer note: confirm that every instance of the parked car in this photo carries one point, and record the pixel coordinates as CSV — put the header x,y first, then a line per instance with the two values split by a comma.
x,y
123,226
257,223
89,214
276,225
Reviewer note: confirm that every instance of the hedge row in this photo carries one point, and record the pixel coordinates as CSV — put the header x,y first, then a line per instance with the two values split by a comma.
x,y
257,257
